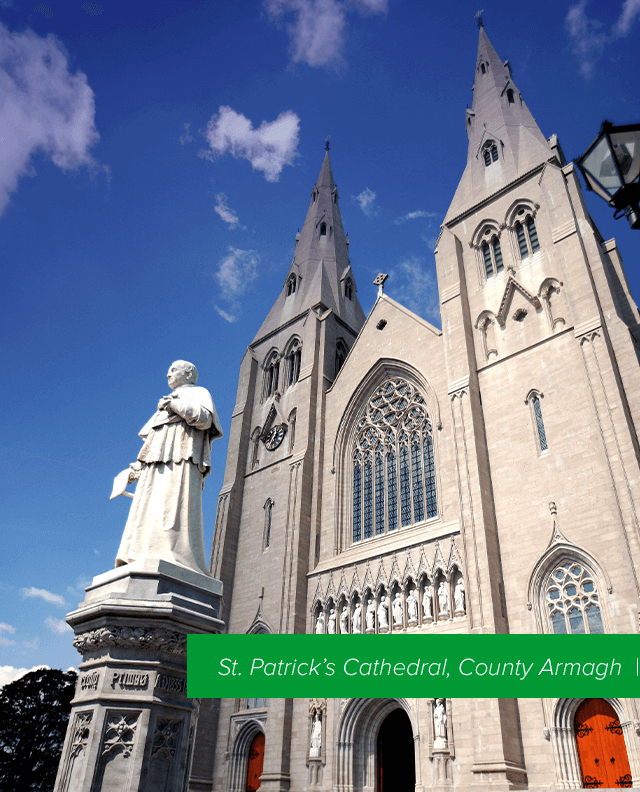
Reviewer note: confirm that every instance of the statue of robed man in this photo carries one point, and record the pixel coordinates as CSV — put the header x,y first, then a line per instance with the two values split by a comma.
x,y
165,520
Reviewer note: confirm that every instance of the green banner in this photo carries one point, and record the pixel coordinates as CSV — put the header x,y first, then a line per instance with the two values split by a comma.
x,y
428,666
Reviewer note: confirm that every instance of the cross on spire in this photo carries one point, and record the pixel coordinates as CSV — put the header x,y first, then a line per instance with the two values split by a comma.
x,y
326,144
478,16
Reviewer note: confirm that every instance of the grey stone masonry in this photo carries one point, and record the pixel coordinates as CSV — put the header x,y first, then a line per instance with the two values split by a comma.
x,y
132,725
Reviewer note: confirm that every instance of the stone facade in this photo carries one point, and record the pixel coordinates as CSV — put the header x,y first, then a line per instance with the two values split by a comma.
x,y
460,474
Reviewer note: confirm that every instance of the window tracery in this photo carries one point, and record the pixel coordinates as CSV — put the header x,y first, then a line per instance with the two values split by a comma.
x,y
393,453
572,601
526,232
293,361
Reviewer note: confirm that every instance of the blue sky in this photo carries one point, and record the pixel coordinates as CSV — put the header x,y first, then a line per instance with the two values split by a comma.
x,y
156,161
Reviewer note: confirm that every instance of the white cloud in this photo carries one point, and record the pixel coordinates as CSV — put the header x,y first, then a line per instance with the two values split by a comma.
x,y
6,641
319,28
414,216
45,108
186,136
55,599
269,148
235,275
588,37
412,285
228,215
367,203
57,625
35,644
11,673
4,627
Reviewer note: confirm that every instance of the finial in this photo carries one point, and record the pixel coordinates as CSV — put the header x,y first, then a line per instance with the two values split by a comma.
x,y
326,144
379,282
478,16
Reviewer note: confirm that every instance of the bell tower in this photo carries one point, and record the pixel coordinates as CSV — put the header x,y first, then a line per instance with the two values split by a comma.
x,y
269,506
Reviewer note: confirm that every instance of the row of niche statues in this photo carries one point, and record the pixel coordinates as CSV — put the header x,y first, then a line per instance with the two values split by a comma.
x,y
387,610
440,741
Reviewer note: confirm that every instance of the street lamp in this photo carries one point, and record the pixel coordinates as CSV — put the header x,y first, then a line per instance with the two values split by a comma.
x,y
611,168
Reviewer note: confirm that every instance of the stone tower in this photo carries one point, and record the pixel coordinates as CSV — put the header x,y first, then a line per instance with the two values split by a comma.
x,y
268,519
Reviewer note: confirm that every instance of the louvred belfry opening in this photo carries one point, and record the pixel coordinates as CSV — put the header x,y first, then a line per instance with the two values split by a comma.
x,y
604,763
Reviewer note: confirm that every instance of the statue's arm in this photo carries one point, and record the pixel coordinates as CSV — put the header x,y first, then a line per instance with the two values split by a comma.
x,y
192,412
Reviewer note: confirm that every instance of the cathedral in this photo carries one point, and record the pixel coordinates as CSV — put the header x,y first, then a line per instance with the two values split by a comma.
x,y
384,475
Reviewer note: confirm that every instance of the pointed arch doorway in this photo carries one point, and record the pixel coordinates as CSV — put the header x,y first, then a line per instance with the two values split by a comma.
x,y
604,763
396,770
256,762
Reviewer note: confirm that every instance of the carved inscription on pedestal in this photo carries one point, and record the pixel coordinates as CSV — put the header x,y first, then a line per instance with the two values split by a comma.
x,y
130,680
171,684
89,681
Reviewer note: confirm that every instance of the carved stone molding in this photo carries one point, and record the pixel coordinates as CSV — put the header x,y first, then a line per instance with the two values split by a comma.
x,y
151,639
165,738
81,729
120,733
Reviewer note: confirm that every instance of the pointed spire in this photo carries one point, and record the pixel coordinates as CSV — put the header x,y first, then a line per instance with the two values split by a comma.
x,y
320,271
498,117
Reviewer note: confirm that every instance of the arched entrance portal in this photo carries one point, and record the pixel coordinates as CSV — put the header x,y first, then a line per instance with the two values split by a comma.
x,y
256,761
396,757
601,747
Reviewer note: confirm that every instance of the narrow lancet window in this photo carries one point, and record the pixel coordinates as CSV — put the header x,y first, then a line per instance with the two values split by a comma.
x,y
379,494
488,263
357,501
392,504
368,501
537,411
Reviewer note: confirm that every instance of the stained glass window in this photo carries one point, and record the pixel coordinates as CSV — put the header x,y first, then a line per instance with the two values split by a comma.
x,y
572,601
393,452
379,494
537,411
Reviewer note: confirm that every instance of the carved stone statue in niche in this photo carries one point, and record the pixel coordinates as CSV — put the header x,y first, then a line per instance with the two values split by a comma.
x,y
427,603
443,599
383,614
459,596
371,615
397,610
439,726
331,624
344,620
316,736
357,618
320,624
412,606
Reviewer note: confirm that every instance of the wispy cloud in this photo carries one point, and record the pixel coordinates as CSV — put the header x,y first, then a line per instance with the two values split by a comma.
x,y
234,276
33,645
367,202
269,148
186,136
45,109
47,596
319,27
4,627
414,216
58,626
588,37
412,285
228,215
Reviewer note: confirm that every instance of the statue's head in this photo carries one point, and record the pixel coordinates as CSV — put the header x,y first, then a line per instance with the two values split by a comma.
x,y
181,372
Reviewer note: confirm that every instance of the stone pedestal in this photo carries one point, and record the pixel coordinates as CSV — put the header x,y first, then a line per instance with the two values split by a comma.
x,y
132,725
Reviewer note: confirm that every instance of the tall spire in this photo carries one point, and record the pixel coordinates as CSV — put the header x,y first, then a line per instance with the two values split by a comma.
x,y
320,273
497,117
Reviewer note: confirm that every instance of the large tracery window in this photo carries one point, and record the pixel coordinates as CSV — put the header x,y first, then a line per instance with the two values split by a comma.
x,y
393,454
572,600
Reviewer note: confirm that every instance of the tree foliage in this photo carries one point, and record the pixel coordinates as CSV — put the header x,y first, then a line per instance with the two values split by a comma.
x,y
34,712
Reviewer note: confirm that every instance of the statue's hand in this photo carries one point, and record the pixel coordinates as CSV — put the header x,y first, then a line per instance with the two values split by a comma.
x,y
165,404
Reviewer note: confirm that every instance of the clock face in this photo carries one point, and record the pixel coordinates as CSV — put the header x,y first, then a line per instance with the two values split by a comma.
x,y
274,438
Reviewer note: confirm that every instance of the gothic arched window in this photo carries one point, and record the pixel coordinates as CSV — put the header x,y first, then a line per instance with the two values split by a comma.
x,y
293,358
526,233
271,375
393,455
341,354
490,153
571,600
492,257
348,289
291,285
510,97
323,230
533,400
268,515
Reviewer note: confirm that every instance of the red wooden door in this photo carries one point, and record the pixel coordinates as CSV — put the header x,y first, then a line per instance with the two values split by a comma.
x,y
256,761
601,748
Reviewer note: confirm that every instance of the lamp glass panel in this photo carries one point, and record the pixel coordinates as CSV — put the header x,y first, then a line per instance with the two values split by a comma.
x,y
626,146
602,169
